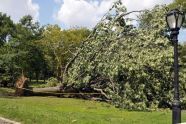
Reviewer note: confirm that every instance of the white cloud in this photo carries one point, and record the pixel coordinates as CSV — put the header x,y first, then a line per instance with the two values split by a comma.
x,y
88,12
143,4
18,8
81,12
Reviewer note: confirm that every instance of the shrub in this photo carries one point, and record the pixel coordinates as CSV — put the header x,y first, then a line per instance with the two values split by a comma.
x,y
52,82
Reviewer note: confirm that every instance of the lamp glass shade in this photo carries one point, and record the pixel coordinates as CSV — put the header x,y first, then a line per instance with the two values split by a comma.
x,y
180,20
175,19
171,21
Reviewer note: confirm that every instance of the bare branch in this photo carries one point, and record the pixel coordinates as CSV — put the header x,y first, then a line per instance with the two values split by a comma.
x,y
101,91
124,14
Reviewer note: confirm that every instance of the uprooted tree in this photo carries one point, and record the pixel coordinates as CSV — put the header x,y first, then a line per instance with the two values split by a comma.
x,y
130,65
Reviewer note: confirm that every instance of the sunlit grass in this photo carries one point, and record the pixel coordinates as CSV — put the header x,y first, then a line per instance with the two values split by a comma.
x,y
50,110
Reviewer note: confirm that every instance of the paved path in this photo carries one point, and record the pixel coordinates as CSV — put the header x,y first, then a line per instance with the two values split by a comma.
x,y
7,121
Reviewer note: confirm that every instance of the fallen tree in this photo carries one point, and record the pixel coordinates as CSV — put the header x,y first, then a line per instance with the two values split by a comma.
x,y
22,89
130,65
94,94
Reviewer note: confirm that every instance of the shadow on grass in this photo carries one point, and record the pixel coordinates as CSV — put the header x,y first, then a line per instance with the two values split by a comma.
x,y
7,93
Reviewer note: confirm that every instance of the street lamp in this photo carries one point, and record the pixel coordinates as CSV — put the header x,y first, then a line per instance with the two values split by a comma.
x,y
175,20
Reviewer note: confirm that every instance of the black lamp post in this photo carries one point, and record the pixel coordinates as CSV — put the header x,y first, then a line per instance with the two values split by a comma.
x,y
175,20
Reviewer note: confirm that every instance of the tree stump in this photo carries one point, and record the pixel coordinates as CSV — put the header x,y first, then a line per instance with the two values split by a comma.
x,y
21,86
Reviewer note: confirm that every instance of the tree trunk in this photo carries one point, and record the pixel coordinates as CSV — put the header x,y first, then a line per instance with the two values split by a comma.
x,y
30,79
47,89
37,77
44,77
22,86
96,94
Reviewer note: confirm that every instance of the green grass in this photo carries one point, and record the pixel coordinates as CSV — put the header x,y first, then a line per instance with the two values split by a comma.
x,y
36,84
41,84
50,110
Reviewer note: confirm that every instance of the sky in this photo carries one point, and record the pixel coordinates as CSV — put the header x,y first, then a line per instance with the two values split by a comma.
x,y
72,13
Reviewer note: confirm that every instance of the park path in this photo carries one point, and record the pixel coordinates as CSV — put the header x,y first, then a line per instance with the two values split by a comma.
x,y
7,121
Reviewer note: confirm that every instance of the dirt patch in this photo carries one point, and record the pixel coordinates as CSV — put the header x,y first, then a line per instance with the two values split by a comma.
x,y
7,121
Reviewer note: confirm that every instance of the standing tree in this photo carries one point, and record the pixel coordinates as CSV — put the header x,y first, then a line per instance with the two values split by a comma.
x,y
7,55
6,28
27,32
58,46
19,52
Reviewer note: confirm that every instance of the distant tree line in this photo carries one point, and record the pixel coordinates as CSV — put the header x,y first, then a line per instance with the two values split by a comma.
x,y
40,52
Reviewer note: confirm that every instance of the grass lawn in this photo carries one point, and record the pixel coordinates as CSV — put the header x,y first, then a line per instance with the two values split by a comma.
x,y
50,110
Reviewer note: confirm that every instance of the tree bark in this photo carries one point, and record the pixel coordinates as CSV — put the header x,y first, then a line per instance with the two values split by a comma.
x,y
47,89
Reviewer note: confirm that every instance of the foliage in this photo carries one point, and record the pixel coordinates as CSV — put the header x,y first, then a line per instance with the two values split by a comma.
x,y
20,53
8,64
181,4
7,55
182,53
38,52
52,82
58,46
7,28
132,65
